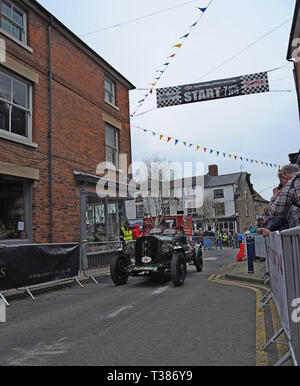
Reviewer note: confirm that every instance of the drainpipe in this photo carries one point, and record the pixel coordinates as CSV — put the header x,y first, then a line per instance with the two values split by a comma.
x,y
50,133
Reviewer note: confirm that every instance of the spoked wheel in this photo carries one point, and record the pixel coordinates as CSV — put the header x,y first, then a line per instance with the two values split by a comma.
x,y
178,269
118,270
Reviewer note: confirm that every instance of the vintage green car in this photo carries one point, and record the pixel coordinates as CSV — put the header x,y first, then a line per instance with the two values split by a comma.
x,y
156,254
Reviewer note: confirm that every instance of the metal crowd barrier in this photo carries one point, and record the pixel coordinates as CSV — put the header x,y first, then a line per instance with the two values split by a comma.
x,y
95,258
291,252
283,268
260,247
209,242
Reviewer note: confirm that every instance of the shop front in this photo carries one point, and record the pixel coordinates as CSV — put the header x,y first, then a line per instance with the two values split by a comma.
x,y
100,217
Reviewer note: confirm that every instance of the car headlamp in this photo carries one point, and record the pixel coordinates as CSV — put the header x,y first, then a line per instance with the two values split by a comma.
x,y
127,250
165,248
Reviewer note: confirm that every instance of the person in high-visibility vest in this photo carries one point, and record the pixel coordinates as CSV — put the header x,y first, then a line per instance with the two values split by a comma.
x,y
219,239
126,233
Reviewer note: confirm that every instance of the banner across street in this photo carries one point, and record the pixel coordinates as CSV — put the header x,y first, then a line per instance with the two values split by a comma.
x,y
217,89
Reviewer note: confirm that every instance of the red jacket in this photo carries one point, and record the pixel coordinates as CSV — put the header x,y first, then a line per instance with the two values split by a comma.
x,y
136,233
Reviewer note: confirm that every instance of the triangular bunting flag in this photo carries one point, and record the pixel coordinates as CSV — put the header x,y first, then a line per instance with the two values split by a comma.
x,y
202,9
172,56
161,137
178,45
176,141
184,143
169,139
184,36
198,147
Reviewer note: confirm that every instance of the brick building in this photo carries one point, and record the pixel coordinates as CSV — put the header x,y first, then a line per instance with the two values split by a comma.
x,y
63,110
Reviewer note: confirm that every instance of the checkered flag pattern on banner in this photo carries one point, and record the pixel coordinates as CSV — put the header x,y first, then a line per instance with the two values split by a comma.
x,y
169,96
255,83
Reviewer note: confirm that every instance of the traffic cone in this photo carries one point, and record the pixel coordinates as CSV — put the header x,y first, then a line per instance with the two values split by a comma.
x,y
241,254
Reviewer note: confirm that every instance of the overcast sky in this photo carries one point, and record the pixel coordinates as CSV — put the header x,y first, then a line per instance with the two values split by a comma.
x,y
263,127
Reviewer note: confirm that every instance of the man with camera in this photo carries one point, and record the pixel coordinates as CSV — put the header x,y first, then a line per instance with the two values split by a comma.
x,y
286,199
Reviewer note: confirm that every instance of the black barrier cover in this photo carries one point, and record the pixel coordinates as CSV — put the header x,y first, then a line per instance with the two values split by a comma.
x,y
28,265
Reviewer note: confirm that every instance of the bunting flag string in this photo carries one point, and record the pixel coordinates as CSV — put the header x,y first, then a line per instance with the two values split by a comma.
x,y
172,56
208,150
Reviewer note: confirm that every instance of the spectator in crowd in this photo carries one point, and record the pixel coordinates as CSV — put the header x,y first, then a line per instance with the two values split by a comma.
x,y
230,239
219,238
236,240
272,223
286,198
240,238
208,236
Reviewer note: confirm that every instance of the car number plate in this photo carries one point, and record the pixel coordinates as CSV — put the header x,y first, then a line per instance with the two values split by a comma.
x,y
145,268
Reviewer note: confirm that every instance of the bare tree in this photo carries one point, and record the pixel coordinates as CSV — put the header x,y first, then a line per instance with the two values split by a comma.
x,y
207,212
157,182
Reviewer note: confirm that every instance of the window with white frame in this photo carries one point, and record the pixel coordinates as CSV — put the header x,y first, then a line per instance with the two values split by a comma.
x,y
220,209
110,94
111,144
219,193
13,20
15,106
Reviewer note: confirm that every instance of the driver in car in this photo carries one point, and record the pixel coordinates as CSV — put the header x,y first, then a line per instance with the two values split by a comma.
x,y
181,236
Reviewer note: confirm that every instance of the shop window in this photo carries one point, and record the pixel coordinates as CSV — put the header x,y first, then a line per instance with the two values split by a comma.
x,y
102,220
14,209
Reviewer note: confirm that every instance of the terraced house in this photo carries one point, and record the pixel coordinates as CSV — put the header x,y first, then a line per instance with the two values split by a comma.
x,y
63,110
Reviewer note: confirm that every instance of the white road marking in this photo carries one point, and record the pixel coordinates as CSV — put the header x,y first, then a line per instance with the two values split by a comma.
x,y
119,311
38,354
160,290
210,259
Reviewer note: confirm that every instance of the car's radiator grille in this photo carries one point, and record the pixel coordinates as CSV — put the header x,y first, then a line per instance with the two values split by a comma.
x,y
147,246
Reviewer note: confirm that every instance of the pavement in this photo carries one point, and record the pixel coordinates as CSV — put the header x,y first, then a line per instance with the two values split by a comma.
x,y
239,271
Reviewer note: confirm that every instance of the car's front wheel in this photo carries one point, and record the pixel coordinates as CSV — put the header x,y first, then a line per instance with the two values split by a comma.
x,y
118,271
178,269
